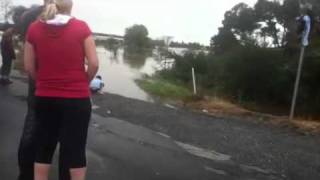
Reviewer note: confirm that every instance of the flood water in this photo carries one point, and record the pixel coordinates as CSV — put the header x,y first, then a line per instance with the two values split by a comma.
x,y
119,73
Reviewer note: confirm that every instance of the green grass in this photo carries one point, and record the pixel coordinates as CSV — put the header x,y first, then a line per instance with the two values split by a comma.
x,y
164,88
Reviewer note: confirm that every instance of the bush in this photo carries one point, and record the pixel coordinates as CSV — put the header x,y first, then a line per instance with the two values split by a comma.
x,y
262,76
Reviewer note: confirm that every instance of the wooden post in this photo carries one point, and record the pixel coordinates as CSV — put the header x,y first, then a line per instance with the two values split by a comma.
x,y
296,87
194,82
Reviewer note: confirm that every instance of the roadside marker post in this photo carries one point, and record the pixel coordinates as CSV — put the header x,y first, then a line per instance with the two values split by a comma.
x,y
194,82
296,87
304,44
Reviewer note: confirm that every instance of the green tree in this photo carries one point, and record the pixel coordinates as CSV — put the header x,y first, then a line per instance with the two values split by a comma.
x,y
242,21
5,6
136,39
239,25
269,13
245,68
224,41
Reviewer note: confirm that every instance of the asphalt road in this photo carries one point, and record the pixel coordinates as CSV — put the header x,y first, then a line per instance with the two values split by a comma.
x,y
120,148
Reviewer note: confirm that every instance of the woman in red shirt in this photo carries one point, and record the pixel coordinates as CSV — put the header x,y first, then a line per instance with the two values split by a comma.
x,y
55,51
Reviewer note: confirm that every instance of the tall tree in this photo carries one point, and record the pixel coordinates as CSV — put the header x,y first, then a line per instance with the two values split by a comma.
x,y
136,39
269,15
238,27
5,6
224,41
242,21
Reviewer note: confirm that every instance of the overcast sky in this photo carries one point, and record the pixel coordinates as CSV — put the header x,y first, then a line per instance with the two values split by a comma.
x,y
187,20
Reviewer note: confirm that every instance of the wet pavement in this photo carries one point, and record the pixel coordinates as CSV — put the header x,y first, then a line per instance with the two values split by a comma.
x,y
121,149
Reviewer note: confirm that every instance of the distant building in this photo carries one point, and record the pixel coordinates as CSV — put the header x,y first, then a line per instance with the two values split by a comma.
x,y
103,36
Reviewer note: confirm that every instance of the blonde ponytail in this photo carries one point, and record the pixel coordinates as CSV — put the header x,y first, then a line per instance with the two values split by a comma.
x,y
49,12
53,7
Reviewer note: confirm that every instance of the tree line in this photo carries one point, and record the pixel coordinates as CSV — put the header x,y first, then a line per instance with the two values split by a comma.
x,y
253,59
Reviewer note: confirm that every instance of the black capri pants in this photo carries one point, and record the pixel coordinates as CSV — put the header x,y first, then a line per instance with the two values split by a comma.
x,y
66,121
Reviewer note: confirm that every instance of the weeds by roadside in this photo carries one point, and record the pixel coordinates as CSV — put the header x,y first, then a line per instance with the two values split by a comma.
x,y
218,107
164,89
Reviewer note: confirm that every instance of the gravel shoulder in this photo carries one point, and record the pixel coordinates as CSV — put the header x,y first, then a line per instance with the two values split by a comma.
x,y
292,155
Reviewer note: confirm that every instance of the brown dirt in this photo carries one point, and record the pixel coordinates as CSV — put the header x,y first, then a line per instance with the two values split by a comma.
x,y
222,108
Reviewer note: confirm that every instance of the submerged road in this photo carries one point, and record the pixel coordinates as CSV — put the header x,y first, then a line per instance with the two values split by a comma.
x,y
120,150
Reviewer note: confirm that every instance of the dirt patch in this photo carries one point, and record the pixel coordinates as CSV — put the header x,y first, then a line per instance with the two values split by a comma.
x,y
222,108
302,126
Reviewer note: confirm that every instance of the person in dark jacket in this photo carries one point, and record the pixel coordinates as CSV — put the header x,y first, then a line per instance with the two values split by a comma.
x,y
8,55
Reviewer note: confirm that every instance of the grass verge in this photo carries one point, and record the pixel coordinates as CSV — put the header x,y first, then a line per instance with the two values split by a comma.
x,y
182,97
164,89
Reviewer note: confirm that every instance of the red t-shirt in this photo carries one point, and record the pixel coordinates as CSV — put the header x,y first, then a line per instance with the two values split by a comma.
x,y
60,59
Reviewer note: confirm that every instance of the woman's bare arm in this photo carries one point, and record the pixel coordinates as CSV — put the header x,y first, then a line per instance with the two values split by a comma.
x,y
92,58
29,60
